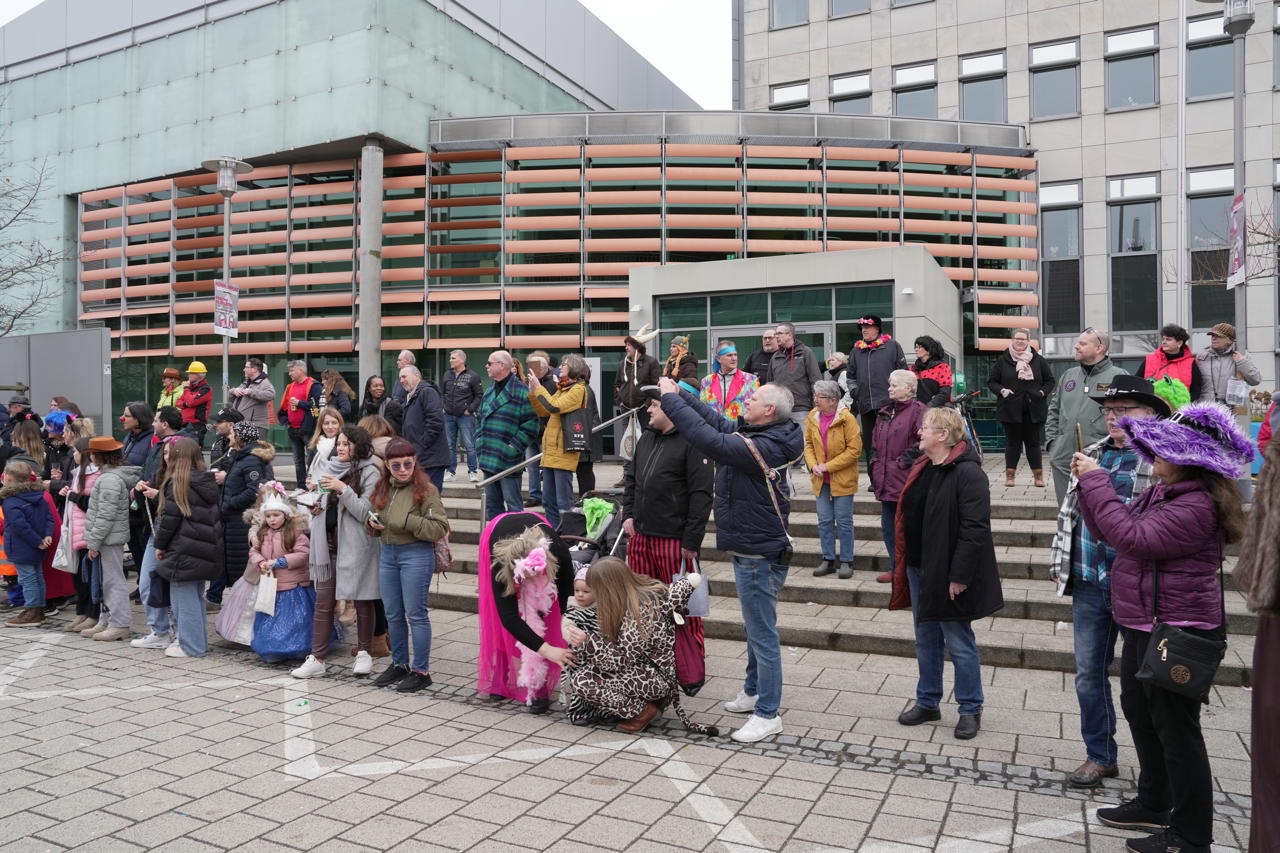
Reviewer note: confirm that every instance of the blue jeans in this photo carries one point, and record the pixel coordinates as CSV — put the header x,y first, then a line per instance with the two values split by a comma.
x,y
557,494
436,476
1095,637
502,496
157,617
187,604
404,576
888,510
31,580
464,425
931,640
759,581
535,471
835,513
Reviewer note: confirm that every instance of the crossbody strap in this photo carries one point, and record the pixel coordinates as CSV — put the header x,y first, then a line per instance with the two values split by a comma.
x,y
770,481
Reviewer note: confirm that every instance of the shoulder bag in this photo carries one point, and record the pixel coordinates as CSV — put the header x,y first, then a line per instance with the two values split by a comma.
x,y
1177,660
771,485
575,429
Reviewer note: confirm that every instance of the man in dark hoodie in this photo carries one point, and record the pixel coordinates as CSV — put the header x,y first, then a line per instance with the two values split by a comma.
x,y
752,502
636,370
666,502
794,366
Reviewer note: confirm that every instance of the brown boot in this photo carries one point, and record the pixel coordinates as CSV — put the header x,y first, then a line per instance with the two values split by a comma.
x,y
1038,475
380,648
1009,474
30,617
640,721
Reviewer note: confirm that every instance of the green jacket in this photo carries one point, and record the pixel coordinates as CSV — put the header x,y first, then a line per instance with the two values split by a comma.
x,y
405,523
1070,405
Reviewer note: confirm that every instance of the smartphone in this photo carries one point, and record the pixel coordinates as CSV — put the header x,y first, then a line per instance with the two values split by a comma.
x,y
373,518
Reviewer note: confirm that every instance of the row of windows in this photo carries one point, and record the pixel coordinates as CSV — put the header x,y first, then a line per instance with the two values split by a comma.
x,y
791,13
1132,78
1133,251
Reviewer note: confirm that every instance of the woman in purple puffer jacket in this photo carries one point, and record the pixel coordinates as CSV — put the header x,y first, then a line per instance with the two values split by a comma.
x,y
1180,527
897,431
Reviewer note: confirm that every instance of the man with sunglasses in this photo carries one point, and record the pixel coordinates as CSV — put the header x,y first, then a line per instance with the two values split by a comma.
x,y
505,426
1072,404
1080,563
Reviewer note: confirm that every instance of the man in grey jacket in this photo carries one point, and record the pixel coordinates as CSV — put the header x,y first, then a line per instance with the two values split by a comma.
x,y
794,366
1222,361
255,397
1071,405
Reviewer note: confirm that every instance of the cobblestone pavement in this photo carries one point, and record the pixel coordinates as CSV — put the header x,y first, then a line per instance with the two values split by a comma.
x,y
113,748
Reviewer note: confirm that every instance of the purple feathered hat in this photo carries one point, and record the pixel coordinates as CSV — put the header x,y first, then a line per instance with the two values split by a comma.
x,y
1201,435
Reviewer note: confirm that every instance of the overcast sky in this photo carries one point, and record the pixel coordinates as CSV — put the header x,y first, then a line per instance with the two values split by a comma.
x,y
695,54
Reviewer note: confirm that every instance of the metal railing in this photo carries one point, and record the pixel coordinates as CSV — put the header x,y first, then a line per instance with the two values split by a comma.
x,y
520,466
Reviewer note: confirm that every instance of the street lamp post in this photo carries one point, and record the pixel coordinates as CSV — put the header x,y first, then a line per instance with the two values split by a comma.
x,y
227,168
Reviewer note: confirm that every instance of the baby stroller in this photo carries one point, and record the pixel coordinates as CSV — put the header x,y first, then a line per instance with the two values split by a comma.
x,y
593,528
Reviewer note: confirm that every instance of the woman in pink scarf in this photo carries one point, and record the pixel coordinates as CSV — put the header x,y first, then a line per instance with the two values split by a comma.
x,y
526,576
1022,382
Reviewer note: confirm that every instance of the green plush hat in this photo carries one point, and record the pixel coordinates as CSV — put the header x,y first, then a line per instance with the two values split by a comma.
x,y
1172,391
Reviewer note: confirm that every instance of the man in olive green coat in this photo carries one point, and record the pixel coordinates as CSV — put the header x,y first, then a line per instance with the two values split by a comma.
x,y
1071,404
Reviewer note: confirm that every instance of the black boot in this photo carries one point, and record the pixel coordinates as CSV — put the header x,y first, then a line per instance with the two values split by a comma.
x,y
826,567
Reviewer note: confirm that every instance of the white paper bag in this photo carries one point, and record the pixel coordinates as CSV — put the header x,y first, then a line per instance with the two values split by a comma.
x,y
266,600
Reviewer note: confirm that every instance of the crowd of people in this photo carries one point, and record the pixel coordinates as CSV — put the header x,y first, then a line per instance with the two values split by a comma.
x,y
1143,467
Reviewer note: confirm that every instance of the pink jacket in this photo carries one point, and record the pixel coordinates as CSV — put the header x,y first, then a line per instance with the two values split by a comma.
x,y
271,547
77,514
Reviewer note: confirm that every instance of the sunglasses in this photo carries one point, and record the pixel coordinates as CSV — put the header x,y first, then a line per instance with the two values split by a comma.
x,y
401,464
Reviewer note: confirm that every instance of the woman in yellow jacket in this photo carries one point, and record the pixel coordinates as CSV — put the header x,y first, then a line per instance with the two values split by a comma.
x,y
832,443
558,465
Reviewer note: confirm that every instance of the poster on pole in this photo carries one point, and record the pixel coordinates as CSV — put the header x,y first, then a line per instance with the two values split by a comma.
x,y
226,308
1237,235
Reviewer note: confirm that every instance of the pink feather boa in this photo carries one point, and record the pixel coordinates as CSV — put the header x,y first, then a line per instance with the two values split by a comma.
x,y
535,596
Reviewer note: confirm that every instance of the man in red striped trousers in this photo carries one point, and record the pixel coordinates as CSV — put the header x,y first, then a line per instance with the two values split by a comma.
x,y
665,506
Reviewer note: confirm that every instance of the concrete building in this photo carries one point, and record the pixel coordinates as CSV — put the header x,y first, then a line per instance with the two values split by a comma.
x,y
1127,104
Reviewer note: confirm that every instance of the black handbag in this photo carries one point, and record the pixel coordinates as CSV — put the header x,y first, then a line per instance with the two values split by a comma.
x,y
575,430
1177,660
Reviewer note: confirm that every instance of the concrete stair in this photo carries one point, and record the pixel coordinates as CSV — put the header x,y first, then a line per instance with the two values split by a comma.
x,y
1032,631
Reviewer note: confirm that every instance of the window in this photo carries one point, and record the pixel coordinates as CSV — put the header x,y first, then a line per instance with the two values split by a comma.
x,y
1207,228
789,96
851,94
1134,249
1055,80
789,13
1060,257
1209,66
911,99
840,8
982,89
1131,69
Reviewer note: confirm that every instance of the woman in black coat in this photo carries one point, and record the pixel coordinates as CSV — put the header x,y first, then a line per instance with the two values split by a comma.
x,y
188,543
1021,382
945,567
250,459
378,402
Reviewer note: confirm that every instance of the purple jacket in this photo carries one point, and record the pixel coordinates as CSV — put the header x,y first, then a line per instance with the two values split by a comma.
x,y
1170,527
897,430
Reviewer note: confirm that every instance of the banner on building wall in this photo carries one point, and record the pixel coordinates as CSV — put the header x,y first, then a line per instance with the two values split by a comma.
x,y
1237,238
226,308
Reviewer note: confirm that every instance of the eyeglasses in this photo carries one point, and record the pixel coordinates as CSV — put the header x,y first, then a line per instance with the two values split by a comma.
x,y
401,464
1119,411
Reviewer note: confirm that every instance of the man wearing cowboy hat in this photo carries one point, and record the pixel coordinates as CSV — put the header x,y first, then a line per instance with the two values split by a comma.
x,y
171,389
1080,563
636,370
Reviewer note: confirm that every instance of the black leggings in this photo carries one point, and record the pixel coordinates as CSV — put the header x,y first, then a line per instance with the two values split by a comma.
x,y
1019,435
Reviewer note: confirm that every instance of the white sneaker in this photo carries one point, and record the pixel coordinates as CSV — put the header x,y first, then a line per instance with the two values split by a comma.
x,y
175,651
448,475
474,476
758,728
310,668
744,704
151,641
363,664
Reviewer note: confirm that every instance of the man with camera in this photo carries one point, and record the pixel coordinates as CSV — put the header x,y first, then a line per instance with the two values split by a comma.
x,y
752,502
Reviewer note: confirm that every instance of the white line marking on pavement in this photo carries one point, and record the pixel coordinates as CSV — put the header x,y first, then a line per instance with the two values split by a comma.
x,y
17,668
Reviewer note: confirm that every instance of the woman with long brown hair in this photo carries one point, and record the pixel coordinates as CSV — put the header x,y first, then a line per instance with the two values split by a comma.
x,y
409,518
337,393
188,541
76,491
628,670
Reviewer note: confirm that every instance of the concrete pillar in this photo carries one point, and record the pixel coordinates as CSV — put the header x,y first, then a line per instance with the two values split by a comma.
x,y
369,263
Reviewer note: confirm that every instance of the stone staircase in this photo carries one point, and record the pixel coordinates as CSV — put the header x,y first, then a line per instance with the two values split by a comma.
x,y
1033,630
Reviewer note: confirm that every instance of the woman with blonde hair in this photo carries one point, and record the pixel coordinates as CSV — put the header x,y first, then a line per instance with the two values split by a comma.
x,y
526,578
559,463
832,444
628,669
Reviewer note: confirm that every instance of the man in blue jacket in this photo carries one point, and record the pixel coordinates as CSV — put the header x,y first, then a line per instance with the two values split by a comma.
x,y
752,503
424,423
